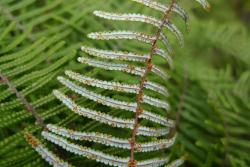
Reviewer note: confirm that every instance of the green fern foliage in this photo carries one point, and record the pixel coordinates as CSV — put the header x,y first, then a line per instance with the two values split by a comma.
x,y
207,83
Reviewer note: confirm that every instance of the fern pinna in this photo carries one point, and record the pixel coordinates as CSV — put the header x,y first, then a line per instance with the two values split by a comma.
x,y
147,130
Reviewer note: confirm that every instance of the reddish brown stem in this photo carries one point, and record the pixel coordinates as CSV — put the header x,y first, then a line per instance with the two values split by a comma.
x,y
139,110
23,100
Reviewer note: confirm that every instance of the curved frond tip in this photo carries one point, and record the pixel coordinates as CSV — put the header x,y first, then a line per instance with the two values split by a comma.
x,y
163,8
205,4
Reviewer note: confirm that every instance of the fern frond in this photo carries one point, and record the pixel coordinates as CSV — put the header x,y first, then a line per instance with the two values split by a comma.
x,y
209,86
147,105
31,55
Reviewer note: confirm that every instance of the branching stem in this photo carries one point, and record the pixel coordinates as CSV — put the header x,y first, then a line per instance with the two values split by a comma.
x,y
24,101
139,110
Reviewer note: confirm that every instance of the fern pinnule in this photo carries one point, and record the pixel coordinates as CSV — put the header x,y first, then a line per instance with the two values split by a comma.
x,y
51,158
148,92
141,18
128,68
163,8
109,140
117,87
107,119
204,3
97,155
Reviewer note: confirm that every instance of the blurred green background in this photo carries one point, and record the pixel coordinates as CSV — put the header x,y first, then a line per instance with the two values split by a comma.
x,y
209,86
